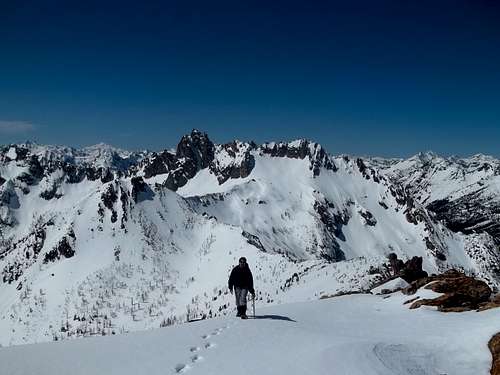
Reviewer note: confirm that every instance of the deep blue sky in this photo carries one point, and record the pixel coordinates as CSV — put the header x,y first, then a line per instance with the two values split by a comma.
x,y
387,78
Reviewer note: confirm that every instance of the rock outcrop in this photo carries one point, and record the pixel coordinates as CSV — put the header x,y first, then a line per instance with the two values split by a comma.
x,y
460,292
494,345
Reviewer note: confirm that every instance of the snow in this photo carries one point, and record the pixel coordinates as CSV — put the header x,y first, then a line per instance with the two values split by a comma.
x,y
11,154
176,249
390,286
355,335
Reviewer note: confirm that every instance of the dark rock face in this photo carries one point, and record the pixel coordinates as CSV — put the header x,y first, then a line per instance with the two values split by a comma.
x,y
332,224
494,345
8,196
253,240
31,246
198,148
106,175
368,217
470,213
74,174
412,270
140,190
235,169
35,168
366,171
124,203
26,178
160,164
2,180
62,249
109,197
409,271
318,157
461,293
50,193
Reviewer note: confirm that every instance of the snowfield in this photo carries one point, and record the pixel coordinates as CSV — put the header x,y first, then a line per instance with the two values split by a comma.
x,y
351,335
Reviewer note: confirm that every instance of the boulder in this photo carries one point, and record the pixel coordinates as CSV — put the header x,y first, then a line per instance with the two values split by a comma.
x,y
494,345
409,271
460,292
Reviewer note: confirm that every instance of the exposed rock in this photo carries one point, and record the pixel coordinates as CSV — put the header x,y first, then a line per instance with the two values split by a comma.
x,y
140,190
26,178
368,218
383,204
106,175
300,149
63,249
31,245
74,174
409,271
469,213
175,180
198,148
124,201
35,168
494,345
412,270
160,164
492,304
8,196
461,293
253,240
109,197
332,229
2,180
333,221
233,160
51,192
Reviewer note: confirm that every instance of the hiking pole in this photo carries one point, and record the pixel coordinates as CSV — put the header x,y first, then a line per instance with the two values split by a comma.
x,y
253,305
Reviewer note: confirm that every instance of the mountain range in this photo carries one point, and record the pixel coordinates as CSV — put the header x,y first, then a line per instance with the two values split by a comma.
x,y
99,241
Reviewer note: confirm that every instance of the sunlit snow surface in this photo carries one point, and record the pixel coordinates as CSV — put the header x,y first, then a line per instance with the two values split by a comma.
x,y
351,335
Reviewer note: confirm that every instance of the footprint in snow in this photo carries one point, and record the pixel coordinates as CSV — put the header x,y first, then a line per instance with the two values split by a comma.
x,y
196,358
204,337
210,345
181,368
194,349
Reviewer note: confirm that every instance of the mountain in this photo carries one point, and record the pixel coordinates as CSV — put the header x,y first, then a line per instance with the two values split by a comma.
x,y
101,240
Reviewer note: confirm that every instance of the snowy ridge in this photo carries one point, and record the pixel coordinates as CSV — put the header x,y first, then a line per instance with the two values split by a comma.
x,y
102,241
355,335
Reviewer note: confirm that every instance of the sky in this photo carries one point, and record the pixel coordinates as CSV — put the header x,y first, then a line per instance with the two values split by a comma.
x,y
386,78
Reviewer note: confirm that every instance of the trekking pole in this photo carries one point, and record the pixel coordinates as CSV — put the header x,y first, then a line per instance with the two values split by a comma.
x,y
253,305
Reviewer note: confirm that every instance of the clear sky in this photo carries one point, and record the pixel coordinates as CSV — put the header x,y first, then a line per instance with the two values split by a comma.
x,y
388,78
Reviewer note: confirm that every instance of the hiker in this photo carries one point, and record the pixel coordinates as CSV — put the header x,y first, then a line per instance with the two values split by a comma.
x,y
242,280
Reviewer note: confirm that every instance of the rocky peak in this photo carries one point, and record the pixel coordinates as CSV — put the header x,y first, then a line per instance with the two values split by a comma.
x,y
196,147
301,149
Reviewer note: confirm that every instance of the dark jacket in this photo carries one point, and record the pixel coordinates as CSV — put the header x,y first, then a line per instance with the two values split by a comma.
x,y
241,277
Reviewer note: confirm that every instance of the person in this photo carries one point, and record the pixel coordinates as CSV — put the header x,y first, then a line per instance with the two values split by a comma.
x,y
242,280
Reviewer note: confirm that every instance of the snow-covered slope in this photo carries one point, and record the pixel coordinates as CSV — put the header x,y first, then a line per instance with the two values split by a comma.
x,y
355,335
463,192
103,241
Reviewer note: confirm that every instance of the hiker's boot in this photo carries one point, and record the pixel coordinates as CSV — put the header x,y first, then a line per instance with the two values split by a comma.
x,y
238,314
244,312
